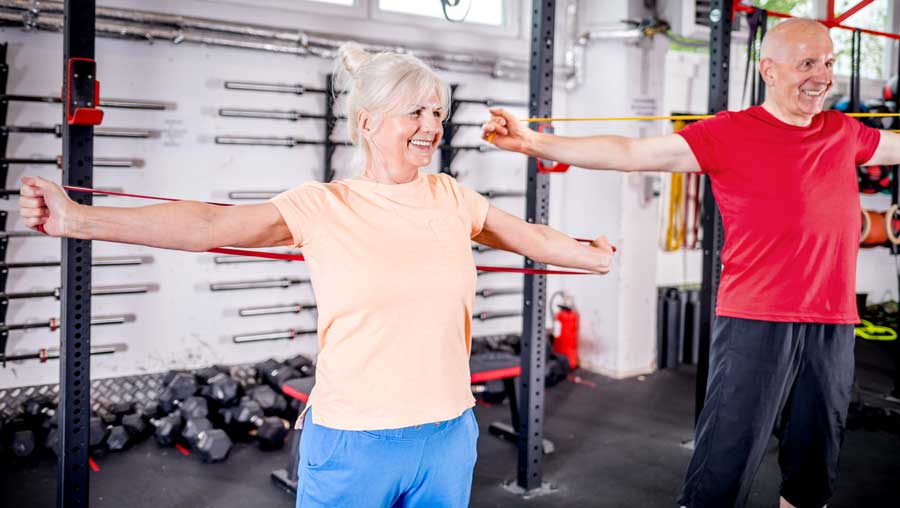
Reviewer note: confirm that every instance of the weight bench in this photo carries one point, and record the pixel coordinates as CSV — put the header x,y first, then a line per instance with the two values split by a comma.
x,y
483,367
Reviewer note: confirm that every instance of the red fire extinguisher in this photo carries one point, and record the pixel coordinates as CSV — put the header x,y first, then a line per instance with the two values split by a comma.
x,y
565,328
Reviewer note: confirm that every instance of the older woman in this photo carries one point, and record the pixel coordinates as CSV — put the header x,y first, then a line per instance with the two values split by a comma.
x,y
389,422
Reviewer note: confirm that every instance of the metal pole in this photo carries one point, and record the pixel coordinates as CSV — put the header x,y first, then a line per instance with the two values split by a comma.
x,y
75,306
713,232
531,382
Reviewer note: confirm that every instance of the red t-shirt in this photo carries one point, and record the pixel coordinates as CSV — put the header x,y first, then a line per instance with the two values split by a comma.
x,y
790,207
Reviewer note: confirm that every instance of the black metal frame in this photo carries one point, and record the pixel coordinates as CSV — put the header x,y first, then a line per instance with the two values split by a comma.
x,y
75,307
713,233
534,343
4,170
330,123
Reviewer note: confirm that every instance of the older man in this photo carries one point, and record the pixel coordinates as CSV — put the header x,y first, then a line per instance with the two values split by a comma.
x,y
784,177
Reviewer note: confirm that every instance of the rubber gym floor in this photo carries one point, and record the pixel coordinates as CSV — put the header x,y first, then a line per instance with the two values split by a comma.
x,y
618,444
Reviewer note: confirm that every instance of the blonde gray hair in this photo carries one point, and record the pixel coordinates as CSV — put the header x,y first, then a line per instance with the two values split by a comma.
x,y
381,82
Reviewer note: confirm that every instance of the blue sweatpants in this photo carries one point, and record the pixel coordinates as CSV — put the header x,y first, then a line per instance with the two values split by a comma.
x,y
426,465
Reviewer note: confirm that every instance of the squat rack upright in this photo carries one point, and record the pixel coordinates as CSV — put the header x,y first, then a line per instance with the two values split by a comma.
x,y
79,93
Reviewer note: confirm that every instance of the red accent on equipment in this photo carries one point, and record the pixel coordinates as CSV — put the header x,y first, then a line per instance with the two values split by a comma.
x,y
566,343
490,375
89,115
557,167
297,394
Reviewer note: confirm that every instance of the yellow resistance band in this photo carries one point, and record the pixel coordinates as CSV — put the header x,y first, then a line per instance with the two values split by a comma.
x,y
869,331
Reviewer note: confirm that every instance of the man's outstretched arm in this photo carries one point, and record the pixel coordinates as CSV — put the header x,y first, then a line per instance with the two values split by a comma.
x,y
657,153
888,151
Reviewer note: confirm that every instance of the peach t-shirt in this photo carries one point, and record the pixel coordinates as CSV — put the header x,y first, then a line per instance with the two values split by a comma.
x,y
394,279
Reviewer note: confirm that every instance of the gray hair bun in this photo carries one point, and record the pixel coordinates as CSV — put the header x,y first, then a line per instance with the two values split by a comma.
x,y
353,56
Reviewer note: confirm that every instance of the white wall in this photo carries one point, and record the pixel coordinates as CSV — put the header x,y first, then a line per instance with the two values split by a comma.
x,y
617,317
183,324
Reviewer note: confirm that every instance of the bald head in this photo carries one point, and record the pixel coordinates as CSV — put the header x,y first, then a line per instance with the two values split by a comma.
x,y
790,34
797,64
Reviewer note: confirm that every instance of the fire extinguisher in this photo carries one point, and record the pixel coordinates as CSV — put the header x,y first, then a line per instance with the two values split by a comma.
x,y
565,328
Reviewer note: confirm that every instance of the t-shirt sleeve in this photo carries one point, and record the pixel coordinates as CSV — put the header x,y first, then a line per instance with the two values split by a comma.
x,y
473,206
476,206
867,140
300,207
701,137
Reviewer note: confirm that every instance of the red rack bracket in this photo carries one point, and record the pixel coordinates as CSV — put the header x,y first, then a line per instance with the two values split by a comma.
x,y
82,93
545,166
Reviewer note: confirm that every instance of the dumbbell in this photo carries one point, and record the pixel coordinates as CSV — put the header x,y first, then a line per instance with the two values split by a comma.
x,y
118,438
492,391
222,389
22,438
112,414
192,408
97,433
179,388
272,403
136,423
270,431
249,419
206,373
167,429
192,429
213,445
302,364
275,374
40,413
238,418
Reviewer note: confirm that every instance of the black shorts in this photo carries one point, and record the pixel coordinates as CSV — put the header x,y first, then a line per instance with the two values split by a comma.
x,y
791,378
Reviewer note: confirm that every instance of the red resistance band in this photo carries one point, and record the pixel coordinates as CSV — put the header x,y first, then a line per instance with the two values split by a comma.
x,y
297,257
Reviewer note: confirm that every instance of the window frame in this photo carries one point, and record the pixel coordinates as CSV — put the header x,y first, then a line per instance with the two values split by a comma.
x,y
360,10
511,27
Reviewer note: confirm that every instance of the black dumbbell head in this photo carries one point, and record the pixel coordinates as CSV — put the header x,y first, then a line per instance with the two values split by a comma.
x,y
301,364
263,368
213,445
205,374
182,386
193,428
193,407
135,425
97,431
118,439
52,441
271,403
224,389
247,409
168,429
148,409
22,444
36,407
271,432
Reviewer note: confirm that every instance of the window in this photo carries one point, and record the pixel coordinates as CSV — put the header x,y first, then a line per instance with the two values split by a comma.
x,y
348,3
802,8
873,17
484,12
